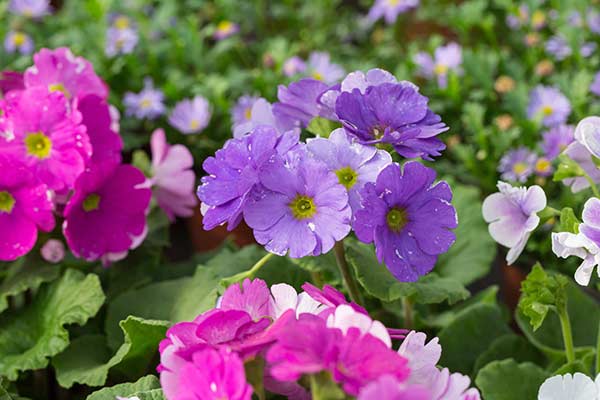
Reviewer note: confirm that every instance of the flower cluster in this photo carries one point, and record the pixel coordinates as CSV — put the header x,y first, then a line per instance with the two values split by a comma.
x,y
303,337
302,198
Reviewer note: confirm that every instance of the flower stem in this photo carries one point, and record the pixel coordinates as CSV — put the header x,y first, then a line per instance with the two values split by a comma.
x,y
407,307
226,282
340,257
598,351
592,185
259,264
565,324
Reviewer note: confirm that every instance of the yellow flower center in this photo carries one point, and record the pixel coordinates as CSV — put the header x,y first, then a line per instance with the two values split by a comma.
x,y
225,26
542,165
38,145
91,202
121,22
396,219
194,124
393,3
547,110
347,177
519,168
59,87
248,113
303,207
538,18
145,103
440,69
7,202
378,132
317,76
19,39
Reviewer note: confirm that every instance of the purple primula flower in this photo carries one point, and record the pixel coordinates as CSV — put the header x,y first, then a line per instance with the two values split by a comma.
x,y
521,17
53,251
30,8
120,41
390,9
512,215
260,113
233,172
578,153
190,115
225,29
587,49
146,104
517,165
388,388
242,111
556,140
18,42
408,218
394,113
301,209
574,19
595,86
321,68
298,104
293,65
548,104
587,133
593,20
106,216
558,47
446,58
353,163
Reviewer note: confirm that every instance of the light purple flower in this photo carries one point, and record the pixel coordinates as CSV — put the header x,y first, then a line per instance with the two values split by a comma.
x,y
394,113
558,47
53,251
548,104
258,113
593,20
556,140
173,178
587,49
446,58
578,153
574,19
590,228
517,165
293,65
120,41
408,218
190,115
242,111
233,173
390,9
353,163
587,133
521,17
301,209
30,8
512,215
595,86
298,104
321,68
18,42
225,29
567,244
388,388
146,104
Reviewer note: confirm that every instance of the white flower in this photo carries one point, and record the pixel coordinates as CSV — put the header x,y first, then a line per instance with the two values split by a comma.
x,y
570,387
588,134
566,244
345,317
286,298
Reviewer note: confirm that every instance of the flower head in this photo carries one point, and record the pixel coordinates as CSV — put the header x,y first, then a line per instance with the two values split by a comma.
x,y
390,9
321,68
567,244
173,178
190,115
120,41
30,8
570,387
593,20
225,29
106,216
408,218
558,47
106,142
389,388
10,80
548,104
595,86
556,140
293,65
581,155
298,103
18,42
53,251
146,104
250,113
512,215
446,58
517,165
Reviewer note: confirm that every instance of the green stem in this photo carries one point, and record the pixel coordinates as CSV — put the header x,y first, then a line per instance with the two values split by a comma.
x,y
598,351
226,282
340,257
259,264
592,185
565,324
407,307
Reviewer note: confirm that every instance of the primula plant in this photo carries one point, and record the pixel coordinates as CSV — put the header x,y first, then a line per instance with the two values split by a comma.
x,y
372,200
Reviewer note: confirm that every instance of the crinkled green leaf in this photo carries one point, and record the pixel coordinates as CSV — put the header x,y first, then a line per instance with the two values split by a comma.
x,y
567,168
508,346
24,276
568,221
28,338
380,283
88,359
146,388
508,380
320,126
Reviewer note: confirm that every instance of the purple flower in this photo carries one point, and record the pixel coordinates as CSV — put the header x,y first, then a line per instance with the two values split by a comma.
x,y
587,49
120,41
353,163
173,178
321,68
548,104
595,86
242,111
512,215
389,388
233,172
293,65
578,153
298,103
18,41
446,58
394,113
225,29
190,115
543,167
255,112
30,8
106,216
574,19
25,206
556,140
558,47
390,10
593,20
517,20
146,104
517,165
300,208
407,218
53,251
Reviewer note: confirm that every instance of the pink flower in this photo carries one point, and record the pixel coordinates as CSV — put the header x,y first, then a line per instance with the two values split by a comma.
x,y
345,317
44,133
53,251
388,388
173,179
59,70
25,206
106,142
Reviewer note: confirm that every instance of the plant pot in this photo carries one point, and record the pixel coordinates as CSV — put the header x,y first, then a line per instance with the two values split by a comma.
x,y
203,240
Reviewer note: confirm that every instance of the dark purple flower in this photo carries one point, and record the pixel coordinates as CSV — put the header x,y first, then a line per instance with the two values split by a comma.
x,y
556,140
408,218
517,165
298,103
394,113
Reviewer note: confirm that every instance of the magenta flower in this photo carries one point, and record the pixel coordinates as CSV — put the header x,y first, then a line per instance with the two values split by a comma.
x,y
10,80
548,104
293,66
390,10
46,134
446,58
330,297
409,219
106,216
106,142
18,42
389,388
59,70
173,178
321,68
148,103
53,251
25,207
191,115
253,297
301,208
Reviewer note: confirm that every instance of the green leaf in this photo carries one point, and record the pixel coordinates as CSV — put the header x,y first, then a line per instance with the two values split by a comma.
x,y
141,161
568,221
22,276
471,256
508,346
87,360
478,326
319,126
507,380
146,388
29,337
380,283
567,168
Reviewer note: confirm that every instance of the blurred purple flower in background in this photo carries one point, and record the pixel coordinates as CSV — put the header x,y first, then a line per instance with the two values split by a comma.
x,y
321,68
588,48
446,58
293,65
595,86
120,41
556,140
30,8
549,104
148,103
575,19
190,115
225,29
390,9
558,47
517,165
16,41
251,112
593,20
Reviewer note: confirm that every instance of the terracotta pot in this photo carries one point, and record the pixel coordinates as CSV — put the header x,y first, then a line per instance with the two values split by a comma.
x,y
512,276
209,240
